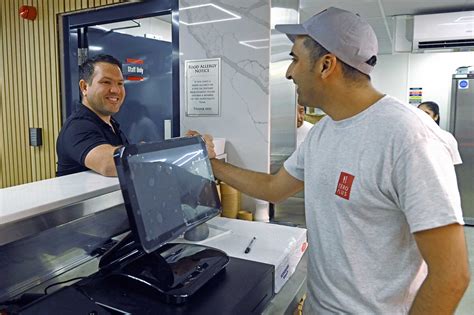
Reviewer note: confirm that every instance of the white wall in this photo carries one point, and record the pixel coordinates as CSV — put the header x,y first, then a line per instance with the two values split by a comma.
x,y
395,74
245,101
390,75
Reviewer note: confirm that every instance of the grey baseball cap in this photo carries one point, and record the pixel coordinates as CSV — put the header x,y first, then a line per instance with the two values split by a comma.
x,y
342,33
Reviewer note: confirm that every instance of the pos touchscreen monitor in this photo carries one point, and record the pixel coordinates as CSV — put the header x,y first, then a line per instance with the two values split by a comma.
x,y
168,188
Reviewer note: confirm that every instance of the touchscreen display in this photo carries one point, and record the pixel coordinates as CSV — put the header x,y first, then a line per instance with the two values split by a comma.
x,y
168,188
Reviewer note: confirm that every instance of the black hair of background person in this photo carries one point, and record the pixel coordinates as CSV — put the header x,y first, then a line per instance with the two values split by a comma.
x,y
433,107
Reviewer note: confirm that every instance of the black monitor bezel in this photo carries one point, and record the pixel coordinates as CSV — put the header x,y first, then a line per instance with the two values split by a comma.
x,y
121,157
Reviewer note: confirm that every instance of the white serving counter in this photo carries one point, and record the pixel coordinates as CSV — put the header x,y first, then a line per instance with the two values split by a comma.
x,y
33,199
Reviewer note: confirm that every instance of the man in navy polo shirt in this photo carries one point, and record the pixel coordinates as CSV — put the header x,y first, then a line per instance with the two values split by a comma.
x,y
90,135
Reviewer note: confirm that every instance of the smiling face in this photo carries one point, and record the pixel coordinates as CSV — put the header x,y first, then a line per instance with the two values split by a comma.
x,y
106,92
301,71
310,69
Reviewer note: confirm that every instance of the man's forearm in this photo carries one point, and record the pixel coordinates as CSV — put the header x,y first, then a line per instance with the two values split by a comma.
x,y
445,253
101,160
439,296
249,182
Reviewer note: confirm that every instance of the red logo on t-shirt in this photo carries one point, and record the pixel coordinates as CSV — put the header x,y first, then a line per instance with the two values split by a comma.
x,y
344,185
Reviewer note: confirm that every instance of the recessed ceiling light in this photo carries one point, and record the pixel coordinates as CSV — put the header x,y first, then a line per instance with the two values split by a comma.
x,y
101,28
247,43
95,48
232,15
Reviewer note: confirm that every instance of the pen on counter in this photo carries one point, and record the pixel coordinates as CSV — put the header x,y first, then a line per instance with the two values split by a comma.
x,y
249,247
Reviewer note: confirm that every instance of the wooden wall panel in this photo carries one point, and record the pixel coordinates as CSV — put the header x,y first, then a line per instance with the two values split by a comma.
x,y
30,87
2,101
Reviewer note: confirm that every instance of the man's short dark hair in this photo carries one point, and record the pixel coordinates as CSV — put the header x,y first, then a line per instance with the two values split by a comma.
x,y
86,70
316,51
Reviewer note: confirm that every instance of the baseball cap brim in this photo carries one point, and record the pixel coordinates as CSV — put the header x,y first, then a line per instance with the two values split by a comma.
x,y
291,30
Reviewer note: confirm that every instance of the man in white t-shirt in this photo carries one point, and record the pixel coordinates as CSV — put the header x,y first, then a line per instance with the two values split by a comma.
x,y
302,126
381,196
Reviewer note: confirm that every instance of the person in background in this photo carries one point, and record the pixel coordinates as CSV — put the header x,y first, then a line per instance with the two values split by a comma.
x,y
143,128
89,136
432,109
302,126
375,214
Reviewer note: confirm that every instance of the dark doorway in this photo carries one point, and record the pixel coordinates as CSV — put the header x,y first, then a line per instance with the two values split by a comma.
x,y
144,37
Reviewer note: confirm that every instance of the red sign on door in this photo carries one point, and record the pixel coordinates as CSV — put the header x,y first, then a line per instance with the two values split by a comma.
x,y
133,69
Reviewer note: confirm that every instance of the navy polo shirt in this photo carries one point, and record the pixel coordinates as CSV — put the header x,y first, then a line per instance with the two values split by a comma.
x,y
82,132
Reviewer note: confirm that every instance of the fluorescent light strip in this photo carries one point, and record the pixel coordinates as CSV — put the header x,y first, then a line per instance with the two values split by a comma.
x,y
101,28
189,156
246,43
464,18
234,16
458,23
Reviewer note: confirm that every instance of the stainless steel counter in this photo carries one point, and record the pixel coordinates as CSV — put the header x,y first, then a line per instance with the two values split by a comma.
x,y
50,227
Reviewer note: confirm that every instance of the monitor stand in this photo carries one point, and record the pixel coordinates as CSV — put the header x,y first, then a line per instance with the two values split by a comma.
x,y
197,233
174,271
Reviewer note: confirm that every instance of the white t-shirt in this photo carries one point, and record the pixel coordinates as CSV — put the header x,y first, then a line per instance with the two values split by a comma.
x,y
453,147
302,131
371,181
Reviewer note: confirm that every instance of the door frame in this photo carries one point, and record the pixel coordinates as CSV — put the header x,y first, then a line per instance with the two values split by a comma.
x,y
111,14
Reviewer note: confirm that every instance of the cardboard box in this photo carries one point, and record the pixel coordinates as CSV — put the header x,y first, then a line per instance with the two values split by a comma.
x,y
278,245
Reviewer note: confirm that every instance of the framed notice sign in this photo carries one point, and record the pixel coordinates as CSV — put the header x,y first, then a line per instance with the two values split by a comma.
x,y
202,85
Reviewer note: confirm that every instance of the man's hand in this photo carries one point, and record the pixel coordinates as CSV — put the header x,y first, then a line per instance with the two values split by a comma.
x,y
207,139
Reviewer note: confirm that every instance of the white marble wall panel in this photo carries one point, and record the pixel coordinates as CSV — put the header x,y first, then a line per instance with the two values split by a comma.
x,y
244,119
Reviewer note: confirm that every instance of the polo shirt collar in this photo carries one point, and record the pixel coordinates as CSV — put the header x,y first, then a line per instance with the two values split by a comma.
x,y
87,112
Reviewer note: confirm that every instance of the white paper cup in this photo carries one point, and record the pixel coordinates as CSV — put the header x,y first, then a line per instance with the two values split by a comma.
x,y
219,145
261,211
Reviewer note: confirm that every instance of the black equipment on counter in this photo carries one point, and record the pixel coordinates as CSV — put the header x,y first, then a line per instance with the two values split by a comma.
x,y
168,188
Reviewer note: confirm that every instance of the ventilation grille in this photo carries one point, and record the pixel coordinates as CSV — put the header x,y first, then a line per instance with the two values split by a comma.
x,y
447,43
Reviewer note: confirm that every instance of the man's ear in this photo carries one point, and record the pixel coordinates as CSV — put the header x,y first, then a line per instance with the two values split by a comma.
x,y
83,86
328,65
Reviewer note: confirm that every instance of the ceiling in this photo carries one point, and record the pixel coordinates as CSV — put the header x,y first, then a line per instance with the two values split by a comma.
x,y
379,13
